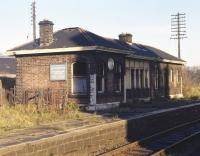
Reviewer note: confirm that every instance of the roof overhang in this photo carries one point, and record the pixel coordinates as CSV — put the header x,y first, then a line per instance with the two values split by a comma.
x,y
173,61
63,50
156,59
129,54
8,75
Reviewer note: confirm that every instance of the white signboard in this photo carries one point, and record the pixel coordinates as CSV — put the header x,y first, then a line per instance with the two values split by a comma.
x,y
58,72
93,94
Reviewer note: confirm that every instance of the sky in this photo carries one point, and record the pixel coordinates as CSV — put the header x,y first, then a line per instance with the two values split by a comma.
x,y
149,21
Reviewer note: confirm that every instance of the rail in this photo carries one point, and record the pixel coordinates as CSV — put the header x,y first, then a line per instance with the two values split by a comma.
x,y
158,143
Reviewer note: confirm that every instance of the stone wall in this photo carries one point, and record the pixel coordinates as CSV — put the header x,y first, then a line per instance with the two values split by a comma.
x,y
96,140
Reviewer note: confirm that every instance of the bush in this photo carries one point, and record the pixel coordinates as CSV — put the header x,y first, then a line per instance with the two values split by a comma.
x,y
71,106
191,87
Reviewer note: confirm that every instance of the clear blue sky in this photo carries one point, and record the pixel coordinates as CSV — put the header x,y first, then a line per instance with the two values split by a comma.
x,y
147,20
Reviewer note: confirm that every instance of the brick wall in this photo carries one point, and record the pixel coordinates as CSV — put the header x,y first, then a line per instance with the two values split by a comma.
x,y
175,87
32,72
96,140
166,87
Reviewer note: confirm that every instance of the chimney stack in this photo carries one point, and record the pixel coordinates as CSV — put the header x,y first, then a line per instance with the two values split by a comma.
x,y
46,33
126,37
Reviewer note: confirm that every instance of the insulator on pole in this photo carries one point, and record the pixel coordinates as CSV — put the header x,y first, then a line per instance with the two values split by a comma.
x,y
178,29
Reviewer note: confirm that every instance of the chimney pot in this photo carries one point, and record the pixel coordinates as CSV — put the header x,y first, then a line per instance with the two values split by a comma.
x,y
46,32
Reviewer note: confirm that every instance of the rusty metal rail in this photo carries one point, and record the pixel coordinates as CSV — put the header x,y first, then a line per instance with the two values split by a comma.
x,y
158,144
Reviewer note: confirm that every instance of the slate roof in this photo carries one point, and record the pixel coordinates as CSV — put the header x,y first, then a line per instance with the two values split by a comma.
x,y
7,65
152,52
78,37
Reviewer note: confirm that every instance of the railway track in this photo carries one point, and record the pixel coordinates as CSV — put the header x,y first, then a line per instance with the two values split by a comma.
x,y
157,144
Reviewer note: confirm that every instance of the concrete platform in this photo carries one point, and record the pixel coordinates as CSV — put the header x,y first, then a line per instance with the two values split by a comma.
x,y
77,137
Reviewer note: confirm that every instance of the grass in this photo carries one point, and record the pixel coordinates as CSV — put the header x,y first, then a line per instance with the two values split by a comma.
x,y
26,116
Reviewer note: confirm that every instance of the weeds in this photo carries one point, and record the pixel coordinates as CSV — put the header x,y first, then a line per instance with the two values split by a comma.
x,y
25,116
192,92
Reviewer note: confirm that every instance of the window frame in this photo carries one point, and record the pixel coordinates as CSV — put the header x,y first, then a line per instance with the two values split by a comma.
x,y
146,78
178,76
156,78
171,76
133,86
118,77
137,78
142,78
77,76
102,77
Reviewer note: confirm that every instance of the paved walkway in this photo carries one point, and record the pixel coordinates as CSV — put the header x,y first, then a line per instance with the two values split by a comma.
x,y
49,130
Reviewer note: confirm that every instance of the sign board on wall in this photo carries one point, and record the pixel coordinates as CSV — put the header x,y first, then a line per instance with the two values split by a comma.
x,y
93,94
58,72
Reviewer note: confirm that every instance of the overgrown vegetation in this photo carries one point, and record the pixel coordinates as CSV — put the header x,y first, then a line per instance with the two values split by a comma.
x,y
24,116
191,87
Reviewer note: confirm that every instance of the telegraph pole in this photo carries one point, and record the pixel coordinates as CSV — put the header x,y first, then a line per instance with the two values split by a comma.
x,y
178,29
33,9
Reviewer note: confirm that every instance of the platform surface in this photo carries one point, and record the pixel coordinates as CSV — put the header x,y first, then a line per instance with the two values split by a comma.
x,y
49,130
